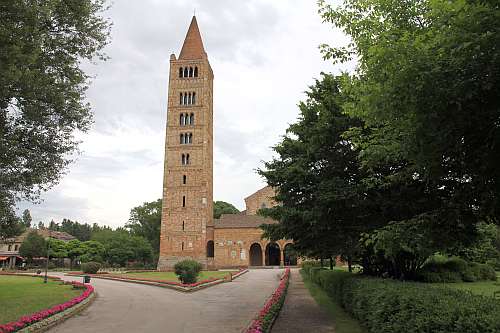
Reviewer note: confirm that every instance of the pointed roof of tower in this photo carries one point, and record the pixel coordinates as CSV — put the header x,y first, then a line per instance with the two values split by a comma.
x,y
193,45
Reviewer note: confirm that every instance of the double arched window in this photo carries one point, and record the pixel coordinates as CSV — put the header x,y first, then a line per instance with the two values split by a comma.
x,y
186,138
187,98
186,119
188,72
185,159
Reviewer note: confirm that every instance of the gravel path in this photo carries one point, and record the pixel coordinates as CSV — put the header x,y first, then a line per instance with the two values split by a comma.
x,y
128,307
301,313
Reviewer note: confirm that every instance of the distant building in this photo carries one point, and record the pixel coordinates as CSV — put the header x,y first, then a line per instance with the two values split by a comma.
x,y
9,248
188,229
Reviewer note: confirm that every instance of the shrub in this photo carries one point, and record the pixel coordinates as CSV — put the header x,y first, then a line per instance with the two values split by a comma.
x,y
308,264
91,267
438,269
384,305
187,270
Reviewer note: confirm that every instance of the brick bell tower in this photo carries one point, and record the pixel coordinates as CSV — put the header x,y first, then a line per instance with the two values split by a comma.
x,y
188,171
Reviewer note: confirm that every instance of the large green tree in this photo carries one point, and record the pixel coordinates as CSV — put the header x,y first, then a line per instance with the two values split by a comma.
x,y
33,246
42,91
145,221
426,88
324,204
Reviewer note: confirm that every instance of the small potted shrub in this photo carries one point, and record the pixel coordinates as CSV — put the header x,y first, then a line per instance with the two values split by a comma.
x,y
187,270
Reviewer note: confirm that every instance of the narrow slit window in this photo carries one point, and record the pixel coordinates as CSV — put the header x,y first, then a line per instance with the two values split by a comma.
x,y
180,101
193,100
191,119
183,160
196,72
187,158
183,201
190,137
184,179
182,246
183,226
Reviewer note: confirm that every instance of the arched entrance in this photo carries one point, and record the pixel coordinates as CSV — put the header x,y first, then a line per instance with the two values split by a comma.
x,y
210,249
290,256
255,254
272,254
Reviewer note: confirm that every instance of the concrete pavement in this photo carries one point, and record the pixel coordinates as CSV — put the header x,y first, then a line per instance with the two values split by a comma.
x,y
128,307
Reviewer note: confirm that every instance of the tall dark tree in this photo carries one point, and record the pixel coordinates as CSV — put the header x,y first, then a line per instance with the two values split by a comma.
x,y
42,90
27,218
324,205
33,246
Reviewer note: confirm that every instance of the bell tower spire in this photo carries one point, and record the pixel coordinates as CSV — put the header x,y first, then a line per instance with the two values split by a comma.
x,y
188,173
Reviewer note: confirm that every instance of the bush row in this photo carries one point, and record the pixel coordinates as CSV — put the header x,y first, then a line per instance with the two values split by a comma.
x,y
440,269
390,306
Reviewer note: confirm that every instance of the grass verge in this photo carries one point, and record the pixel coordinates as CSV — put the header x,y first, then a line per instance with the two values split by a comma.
x,y
344,323
23,295
485,288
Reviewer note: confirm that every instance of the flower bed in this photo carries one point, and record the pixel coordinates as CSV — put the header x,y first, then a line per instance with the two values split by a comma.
x,y
163,283
269,312
41,315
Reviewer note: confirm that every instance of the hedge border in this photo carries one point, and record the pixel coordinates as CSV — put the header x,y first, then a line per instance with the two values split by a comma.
x,y
165,284
57,318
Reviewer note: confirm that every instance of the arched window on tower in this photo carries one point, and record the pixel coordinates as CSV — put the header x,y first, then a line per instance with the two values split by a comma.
x,y
185,98
181,99
191,119
182,246
190,137
183,159
182,138
182,119
180,72
187,158
184,179
193,100
186,72
190,71
183,226
183,201
189,99
196,72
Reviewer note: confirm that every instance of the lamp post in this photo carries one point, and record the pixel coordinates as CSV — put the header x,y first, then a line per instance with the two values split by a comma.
x,y
47,261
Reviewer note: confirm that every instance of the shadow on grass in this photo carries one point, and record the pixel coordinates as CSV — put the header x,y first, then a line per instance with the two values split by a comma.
x,y
344,323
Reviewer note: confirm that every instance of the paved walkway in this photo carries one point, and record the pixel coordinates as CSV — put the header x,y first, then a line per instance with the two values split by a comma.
x,y
128,307
301,313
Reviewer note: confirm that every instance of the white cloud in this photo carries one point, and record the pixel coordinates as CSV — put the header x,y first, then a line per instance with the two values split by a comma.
x,y
264,55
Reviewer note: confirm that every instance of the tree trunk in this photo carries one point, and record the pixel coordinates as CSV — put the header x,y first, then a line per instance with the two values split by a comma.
x,y
322,263
349,263
331,263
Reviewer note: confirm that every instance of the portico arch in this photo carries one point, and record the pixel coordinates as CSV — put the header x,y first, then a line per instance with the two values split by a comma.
x,y
273,254
255,255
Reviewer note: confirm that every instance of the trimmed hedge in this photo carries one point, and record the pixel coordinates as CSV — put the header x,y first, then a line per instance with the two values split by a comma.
x,y
390,306
454,269
91,267
188,270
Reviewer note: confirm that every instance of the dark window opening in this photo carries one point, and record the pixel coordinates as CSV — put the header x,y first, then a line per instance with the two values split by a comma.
x,y
193,100
182,139
196,72
191,119
183,225
186,72
187,158
180,72
183,201
210,249
190,71
182,246
184,179
185,99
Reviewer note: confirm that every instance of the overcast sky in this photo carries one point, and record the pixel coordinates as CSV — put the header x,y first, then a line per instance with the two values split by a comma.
x,y
264,54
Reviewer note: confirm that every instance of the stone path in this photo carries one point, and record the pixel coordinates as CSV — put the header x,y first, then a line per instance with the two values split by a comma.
x,y
128,307
301,313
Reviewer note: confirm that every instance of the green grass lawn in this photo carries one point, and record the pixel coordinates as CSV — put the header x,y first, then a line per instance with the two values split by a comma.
x,y
22,295
170,276
344,323
486,288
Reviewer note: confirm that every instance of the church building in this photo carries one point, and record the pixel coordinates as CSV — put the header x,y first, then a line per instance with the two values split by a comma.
x,y
188,229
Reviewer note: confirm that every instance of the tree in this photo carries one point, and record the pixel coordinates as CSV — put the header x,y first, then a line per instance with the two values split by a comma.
x,y
324,204
42,91
57,248
33,246
74,249
426,89
221,207
82,231
27,218
145,221
92,251
41,225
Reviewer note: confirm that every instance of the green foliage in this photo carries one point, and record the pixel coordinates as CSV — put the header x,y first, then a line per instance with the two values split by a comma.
x,y
27,218
486,248
92,251
57,248
91,267
445,270
145,222
33,246
42,90
222,207
400,307
187,270
308,264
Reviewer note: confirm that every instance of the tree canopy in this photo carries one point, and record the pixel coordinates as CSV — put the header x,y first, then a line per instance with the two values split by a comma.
x,y
222,207
42,91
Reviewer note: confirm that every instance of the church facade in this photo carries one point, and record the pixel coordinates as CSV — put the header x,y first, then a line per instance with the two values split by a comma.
x,y
188,229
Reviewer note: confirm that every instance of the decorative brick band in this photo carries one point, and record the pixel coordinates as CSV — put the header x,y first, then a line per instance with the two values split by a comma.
x,y
45,319
267,315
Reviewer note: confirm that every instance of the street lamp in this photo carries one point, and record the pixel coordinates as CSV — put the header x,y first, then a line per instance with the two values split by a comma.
x,y
47,261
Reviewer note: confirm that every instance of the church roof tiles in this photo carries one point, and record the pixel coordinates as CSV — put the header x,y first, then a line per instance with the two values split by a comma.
x,y
192,48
